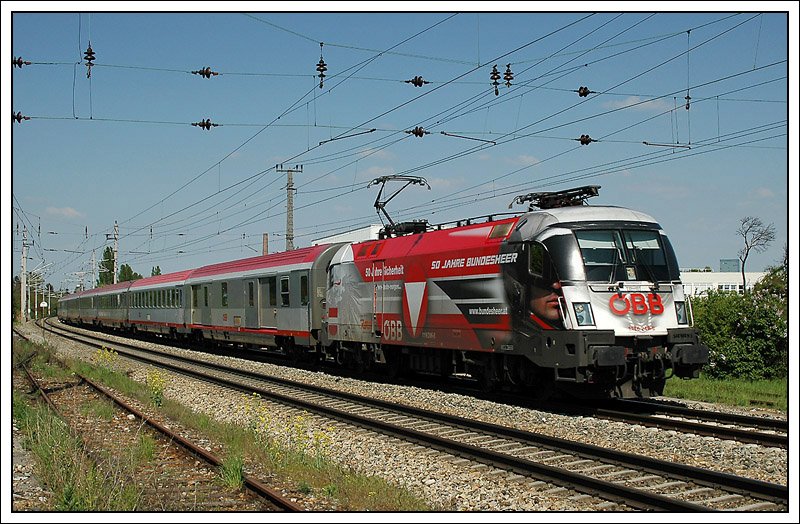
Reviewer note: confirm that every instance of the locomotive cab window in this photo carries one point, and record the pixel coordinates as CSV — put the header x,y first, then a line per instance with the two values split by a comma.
x,y
647,253
603,255
628,254
540,265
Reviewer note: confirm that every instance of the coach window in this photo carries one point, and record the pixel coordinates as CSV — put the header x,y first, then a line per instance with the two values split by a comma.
x,y
250,294
285,291
304,290
273,294
224,294
205,296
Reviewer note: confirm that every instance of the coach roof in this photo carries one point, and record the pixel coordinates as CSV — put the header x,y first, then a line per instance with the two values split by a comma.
x,y
301,258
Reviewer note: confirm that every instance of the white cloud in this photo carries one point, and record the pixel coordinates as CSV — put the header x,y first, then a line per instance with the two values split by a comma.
x,y
524,160
446,183
640,104
763,192
376,171
66,212
377,154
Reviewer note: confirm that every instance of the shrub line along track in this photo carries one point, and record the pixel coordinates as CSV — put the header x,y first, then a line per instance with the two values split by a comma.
x,y
763,495
258,488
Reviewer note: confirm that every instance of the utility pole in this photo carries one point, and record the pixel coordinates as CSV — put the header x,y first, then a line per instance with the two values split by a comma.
x,y
94,267
289,202
23,277
116,246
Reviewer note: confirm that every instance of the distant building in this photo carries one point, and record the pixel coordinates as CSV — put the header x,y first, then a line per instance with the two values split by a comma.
x,y
358,235
699,283
729,265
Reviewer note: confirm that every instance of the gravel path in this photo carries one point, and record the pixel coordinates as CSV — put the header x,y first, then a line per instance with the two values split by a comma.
x,y
444,481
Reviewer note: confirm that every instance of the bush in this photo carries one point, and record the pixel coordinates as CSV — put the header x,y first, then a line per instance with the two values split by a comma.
x,y
747,335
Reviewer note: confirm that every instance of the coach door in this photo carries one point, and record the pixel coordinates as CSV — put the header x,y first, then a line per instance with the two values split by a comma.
x,y
268,301
377,298
205,305
195,318
250,303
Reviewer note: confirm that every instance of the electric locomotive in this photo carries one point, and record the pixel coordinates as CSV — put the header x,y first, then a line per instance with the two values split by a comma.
x,y
564,298
567,297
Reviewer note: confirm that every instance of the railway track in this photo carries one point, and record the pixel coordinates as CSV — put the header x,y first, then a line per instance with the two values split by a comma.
x,y
181,475
628,480
728,426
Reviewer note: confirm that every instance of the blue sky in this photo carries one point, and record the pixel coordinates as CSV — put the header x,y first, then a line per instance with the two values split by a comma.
x,y
120,145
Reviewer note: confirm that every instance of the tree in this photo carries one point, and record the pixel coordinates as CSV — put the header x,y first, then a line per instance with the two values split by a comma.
x,y
747,335
757,237
776,281
106,268
155,271
16,298
126,274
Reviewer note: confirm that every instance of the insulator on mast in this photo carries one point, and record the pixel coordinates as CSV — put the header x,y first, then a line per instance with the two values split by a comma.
x,y
205,124
205,72
495,76
418,131
417,81
321,67
508,76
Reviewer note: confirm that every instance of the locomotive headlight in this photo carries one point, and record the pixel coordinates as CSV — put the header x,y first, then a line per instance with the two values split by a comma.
x,y
583,312
680,310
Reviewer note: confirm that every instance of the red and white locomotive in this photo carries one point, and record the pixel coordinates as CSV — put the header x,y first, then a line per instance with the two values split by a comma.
x,y
582,299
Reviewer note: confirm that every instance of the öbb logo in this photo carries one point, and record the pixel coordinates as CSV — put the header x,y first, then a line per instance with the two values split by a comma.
x,y
636,303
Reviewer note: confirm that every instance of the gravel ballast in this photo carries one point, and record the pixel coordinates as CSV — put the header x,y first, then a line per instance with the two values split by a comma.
x,y
448,482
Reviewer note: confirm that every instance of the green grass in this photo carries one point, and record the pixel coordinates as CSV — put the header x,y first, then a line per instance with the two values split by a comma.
x,y
232,471
102,409
312,472
762,393
76,483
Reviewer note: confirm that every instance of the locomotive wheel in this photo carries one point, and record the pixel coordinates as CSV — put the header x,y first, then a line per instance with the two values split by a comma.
x,y
488,379
394,364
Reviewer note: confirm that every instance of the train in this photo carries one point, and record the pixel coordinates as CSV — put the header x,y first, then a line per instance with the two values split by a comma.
x,y
565,298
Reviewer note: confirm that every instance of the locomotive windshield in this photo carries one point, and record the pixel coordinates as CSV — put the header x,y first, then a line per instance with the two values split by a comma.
x,y
612,255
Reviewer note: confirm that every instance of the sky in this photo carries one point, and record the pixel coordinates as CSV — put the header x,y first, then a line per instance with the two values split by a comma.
x,y
116,142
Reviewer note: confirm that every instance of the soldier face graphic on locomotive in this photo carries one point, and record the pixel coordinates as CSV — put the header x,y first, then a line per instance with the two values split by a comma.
x,y
533,289
544,288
